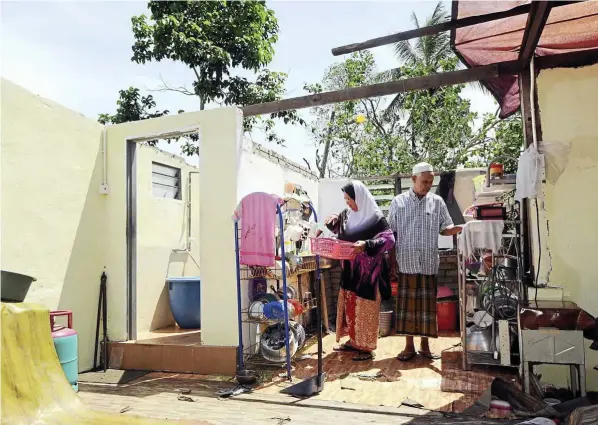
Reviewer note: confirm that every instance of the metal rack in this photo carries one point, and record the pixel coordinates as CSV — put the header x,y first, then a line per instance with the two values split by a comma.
x,y
500,285
250,354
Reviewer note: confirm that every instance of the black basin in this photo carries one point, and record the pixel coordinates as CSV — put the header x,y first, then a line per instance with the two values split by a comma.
x,y
15,286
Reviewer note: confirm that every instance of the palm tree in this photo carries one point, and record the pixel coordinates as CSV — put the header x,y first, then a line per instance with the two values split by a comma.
x,y
428,50
427,53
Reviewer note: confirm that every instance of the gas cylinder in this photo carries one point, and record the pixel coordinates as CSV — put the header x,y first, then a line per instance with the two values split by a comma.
x,y
66,344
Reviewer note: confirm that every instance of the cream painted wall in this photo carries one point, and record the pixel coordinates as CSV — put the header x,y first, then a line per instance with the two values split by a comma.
x,y
53,216
162,227
221,132
569,116
259,173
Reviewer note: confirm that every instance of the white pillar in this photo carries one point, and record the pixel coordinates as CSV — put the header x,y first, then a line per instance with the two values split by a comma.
x,y
219,149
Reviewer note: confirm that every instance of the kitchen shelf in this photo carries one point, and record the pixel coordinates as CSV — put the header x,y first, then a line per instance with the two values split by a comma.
x,y
468,298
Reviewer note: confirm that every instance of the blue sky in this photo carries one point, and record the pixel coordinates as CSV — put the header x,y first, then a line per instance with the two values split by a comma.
x,y
78,53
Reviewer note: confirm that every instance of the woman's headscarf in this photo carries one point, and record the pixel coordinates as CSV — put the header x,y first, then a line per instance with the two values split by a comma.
x,y
368,212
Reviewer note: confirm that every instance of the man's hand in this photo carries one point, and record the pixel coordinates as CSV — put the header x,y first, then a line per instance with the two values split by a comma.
x,y
451,230
359,247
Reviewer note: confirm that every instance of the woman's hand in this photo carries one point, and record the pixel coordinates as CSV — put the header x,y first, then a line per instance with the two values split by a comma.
x,y
359,247
331,220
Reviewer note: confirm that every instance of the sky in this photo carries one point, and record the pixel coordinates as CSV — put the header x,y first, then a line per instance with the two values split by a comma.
x,y
78,53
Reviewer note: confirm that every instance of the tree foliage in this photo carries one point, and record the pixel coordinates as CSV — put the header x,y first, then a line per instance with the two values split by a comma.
x,y
437,126
218,41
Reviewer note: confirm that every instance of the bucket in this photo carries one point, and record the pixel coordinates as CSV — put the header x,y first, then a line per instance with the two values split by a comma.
x,y
66,345
184,295
446,315
385,323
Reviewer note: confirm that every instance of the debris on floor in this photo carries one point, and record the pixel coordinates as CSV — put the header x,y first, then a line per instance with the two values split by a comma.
x,y
231,392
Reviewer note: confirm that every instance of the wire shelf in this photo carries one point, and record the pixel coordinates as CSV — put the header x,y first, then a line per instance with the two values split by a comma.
x,y
276,273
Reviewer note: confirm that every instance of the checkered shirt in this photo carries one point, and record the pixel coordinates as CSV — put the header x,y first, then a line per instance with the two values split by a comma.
x,y
417,223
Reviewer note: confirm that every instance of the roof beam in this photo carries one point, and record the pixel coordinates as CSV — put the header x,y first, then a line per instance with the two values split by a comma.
x,y
536,19
435,29
431,30
383,89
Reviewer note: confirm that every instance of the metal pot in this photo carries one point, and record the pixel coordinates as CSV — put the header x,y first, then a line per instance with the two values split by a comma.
x,y
272,344
478,339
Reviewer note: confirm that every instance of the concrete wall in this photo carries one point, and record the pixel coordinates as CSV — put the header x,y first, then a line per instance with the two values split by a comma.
x,y
55,222
53,216
162,227
262,170
221,132
568,109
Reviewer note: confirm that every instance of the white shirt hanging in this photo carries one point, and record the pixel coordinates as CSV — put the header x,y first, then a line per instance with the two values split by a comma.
x,y
528,174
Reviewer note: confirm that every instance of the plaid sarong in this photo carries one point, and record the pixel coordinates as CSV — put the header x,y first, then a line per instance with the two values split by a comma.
x,y
416,305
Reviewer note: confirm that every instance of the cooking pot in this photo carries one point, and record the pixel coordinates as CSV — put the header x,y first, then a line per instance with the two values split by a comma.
x,y
478,339
291,293
272,344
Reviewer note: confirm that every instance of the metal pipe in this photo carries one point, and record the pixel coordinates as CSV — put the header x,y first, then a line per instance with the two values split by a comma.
x,y
188,241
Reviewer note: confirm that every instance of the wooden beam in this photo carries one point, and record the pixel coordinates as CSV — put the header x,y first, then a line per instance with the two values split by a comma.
x,y
536,19
383,89
431,30
435,29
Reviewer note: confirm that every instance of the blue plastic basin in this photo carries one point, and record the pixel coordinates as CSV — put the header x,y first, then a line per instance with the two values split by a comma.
x,y
184,294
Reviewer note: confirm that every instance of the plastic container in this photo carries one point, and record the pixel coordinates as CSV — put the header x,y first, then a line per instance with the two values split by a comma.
x,y
332,248
66,343
184,294
15,286
446,315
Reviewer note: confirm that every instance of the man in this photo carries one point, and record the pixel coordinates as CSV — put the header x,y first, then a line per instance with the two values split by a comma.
x,y
417,217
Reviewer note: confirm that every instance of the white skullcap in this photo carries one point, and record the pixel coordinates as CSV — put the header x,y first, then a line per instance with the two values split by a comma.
x,y
422,167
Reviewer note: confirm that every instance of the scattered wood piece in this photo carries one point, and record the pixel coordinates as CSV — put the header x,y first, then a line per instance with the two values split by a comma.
x,y
125,409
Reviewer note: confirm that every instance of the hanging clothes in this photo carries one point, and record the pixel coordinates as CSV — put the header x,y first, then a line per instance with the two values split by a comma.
x,y
257,230
446,190
529,174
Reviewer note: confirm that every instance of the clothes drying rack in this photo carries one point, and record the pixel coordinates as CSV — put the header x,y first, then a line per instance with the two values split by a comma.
x,y
311,385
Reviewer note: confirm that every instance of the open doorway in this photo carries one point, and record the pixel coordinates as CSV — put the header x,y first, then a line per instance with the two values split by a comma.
x,y
162,232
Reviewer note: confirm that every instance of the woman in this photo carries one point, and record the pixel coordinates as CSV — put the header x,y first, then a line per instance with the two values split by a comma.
x,y
365,277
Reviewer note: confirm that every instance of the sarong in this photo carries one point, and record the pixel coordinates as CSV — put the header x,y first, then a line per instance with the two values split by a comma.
x,y
416,306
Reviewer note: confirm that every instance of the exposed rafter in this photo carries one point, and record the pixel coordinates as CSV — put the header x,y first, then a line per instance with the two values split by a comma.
x,y
384,89
536,19
479,73
444,26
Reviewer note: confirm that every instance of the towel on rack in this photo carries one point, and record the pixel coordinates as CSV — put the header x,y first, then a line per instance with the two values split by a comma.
x,y
480,234
257,232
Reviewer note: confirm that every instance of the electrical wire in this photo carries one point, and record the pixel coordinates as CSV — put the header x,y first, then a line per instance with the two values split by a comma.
x,y
539,254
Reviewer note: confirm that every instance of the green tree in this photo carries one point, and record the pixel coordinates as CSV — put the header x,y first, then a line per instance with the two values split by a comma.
x,y
219,41
346,146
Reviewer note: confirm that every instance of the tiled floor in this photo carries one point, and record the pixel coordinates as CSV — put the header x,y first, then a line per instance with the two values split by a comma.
x,y
437,385
170,336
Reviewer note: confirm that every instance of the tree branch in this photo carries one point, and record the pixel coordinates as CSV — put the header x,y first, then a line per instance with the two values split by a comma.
x,y
181,89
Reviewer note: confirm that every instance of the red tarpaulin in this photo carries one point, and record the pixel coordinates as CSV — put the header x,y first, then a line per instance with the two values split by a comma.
x,y
569,28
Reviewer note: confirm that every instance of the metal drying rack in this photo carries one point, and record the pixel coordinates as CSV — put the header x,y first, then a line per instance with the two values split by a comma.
x,y
250,353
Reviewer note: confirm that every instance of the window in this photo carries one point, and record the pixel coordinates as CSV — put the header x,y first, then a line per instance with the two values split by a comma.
x,y
166,181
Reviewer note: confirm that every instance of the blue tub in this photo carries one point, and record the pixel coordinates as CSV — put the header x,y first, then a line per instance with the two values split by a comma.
x,y
184,294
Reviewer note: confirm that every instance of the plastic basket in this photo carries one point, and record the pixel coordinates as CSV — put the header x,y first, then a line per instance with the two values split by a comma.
x,y
332,248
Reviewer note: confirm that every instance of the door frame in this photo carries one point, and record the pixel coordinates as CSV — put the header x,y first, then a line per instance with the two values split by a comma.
x,y
131,221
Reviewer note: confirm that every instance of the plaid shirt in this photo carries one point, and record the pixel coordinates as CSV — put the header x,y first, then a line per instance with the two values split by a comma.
x,y
416,224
